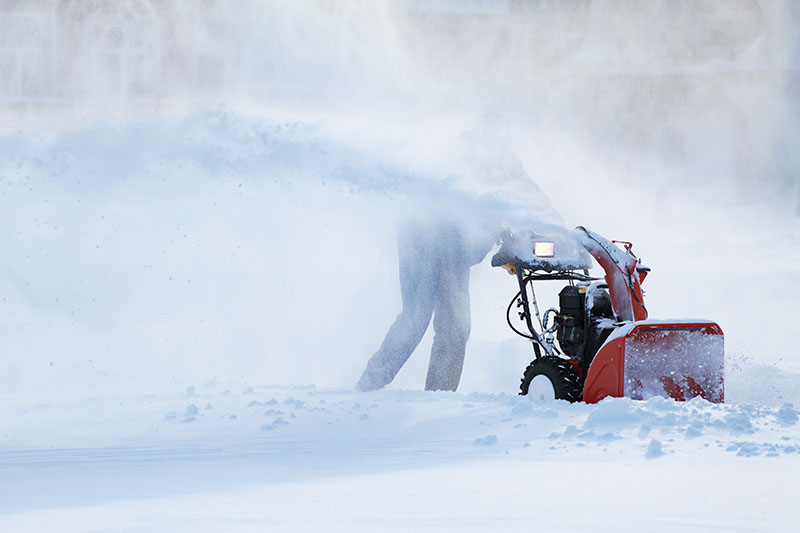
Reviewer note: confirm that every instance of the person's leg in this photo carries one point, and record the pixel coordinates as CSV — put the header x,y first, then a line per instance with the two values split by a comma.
x,y
451,320
417,291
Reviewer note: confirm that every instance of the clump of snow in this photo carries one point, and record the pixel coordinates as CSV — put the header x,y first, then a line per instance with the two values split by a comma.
x,y
787,415
654,450
488,440
275,424
297,403
738,423
694,430
613,412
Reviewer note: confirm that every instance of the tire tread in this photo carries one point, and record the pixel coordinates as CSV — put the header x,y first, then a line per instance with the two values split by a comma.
x,y
564,378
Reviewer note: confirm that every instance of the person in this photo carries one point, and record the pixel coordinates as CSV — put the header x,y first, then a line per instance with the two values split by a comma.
x,y
436,251
435,256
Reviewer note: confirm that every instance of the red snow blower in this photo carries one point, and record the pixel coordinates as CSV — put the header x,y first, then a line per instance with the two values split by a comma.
x,y
600,342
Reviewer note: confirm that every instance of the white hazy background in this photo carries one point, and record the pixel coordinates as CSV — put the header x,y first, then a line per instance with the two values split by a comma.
x,y
188,190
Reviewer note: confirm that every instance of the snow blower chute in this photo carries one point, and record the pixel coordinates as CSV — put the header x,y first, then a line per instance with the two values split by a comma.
x,y
599,342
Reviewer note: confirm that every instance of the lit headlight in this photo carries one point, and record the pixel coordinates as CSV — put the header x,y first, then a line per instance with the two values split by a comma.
x,y
543,249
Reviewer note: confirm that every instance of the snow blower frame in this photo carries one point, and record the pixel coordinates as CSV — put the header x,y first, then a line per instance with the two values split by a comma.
x,y
600,342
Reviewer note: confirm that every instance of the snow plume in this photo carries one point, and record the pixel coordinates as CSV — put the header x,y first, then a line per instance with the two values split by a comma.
x,y
256,241
212,246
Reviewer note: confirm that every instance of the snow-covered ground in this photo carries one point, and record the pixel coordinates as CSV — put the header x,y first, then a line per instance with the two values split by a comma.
x,y
304,459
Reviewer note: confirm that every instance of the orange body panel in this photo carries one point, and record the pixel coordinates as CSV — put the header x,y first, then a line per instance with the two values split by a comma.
x,y
607,372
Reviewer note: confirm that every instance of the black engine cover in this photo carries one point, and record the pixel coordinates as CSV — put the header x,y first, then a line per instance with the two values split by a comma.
x,y
571,326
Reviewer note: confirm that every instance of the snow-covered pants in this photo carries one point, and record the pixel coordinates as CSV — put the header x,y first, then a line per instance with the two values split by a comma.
x,y
435,259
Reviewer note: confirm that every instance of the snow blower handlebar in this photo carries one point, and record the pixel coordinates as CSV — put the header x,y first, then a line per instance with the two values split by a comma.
x,y
624,274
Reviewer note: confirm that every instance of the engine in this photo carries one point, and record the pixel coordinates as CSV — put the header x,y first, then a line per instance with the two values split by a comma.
x,y
583,321
571,320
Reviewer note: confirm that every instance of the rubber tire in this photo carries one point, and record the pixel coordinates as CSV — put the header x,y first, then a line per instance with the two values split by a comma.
x,y
560,373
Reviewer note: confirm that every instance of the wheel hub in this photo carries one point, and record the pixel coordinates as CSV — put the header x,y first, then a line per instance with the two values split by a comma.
x,y
542,389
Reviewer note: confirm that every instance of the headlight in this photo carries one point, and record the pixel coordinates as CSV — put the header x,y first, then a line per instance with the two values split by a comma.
x,y
543,249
